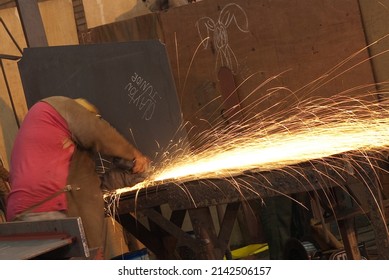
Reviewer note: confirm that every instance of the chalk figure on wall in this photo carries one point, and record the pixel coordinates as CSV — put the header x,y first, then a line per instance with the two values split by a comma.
x,y
216,31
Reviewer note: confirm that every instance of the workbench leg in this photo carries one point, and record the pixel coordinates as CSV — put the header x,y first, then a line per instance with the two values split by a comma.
x,y
226,226
204,230
369,197
349,238
177,236
140,232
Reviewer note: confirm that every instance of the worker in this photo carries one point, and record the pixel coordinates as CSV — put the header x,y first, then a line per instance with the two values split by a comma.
x,y
52,168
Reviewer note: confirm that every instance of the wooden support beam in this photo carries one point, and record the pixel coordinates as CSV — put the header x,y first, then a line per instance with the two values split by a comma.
x,y
227,225
32,23
368,195
204,230
140,232
349,238
182,237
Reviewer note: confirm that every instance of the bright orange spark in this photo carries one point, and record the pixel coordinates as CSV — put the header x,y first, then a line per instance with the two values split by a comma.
x,y
314,130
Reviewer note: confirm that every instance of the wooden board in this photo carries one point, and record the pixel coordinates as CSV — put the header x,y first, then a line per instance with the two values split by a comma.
x,y
10,82
298,42
295,51
376,24
59,22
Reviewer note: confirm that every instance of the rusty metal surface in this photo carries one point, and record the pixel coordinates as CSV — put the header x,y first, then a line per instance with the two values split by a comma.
x,y
252,185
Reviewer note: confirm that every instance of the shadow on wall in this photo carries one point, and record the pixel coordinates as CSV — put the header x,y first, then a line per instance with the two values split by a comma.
x,y
143,7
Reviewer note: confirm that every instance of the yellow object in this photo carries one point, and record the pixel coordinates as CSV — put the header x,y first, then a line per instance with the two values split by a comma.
x,y
249,250
87,105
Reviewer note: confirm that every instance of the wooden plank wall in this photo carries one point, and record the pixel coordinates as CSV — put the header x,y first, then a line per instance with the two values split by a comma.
x,y
298,42
59,22
304,40
60,29
375,15
8,121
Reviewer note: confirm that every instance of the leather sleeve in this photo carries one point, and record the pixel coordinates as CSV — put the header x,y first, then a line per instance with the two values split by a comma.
x,y
90,131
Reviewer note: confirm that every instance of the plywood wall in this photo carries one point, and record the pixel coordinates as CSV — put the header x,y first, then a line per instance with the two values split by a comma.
x,y
298,44
13,92
59,23
375,15
302,40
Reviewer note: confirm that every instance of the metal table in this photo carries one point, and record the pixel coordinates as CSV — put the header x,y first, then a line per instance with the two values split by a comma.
x,y
164,235
62,238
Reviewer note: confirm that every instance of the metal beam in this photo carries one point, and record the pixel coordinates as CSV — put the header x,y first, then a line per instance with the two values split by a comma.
x,y
29,239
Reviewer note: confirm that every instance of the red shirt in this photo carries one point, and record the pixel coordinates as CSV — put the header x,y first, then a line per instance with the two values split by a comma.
x,y
40,161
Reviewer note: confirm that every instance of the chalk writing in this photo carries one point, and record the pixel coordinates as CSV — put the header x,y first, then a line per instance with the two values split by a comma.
x,y
217,32
143,95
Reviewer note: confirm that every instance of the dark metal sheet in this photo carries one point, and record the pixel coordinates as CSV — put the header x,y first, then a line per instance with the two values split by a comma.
x,y
29,249
130,82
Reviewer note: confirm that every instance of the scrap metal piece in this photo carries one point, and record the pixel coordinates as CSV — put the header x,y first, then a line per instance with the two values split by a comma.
x,y
27,240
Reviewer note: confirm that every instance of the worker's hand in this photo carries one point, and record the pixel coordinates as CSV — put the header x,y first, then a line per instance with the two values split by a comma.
x,y
141,163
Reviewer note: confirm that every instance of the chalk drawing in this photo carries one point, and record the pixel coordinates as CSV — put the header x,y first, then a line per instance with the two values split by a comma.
x,y
216,31
143,95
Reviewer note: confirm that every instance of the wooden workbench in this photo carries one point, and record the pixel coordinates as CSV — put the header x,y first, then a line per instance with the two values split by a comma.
x,y
164,235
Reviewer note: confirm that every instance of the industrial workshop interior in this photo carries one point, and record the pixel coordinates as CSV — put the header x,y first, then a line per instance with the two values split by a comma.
x,y
194,129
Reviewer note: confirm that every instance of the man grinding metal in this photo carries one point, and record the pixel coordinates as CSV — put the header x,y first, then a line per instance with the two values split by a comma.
x,y
52,168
